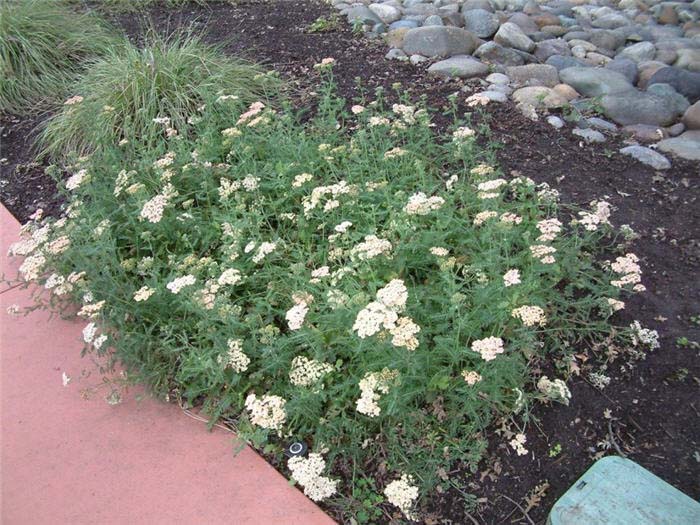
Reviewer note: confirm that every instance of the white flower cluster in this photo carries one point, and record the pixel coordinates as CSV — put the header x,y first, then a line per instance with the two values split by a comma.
x,y
371,247
32,266
530,315
420,204
77,179
403,494
319,273
555,390
165,161
266,411
308,473
511,278
265,249
543,253
404,333
296,314
549,229
384,313
510,218
90,310
153,209
319,193
229,277
489,347
615,304
599,216
462,134
235,357
89,333
143,294
307,372
481,217
631,273
371,385
482,170
179,283
301,179
407,113
253,110
645,336
490,189
471,377
439,251
518,444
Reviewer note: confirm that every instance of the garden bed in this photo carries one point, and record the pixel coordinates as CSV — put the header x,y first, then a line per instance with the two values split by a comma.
x,y
653,407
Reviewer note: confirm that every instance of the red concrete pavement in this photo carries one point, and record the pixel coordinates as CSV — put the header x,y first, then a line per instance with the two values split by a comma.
x,y
65,459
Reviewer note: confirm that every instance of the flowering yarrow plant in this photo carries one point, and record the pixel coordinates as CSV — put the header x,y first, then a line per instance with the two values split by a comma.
x,y
328,283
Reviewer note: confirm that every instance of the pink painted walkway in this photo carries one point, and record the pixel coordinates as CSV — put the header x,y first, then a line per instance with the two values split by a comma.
x,y
67,460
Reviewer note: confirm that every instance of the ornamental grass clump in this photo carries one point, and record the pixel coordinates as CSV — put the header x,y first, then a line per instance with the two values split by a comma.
x,y
137,95
384,309
44,46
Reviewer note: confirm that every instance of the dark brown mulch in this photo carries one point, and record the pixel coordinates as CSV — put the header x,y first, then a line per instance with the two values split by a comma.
x,y
24,186
655,407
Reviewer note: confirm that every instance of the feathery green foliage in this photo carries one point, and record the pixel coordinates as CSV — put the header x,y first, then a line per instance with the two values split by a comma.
x,y
44,46
124,91
357,282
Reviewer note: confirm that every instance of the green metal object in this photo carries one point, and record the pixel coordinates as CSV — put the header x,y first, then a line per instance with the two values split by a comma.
x,y
617,491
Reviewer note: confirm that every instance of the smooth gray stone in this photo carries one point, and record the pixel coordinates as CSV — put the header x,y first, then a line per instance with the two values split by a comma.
x,y
636,107
495,53
647,156
482,23
684,82
589,135
439,41
510,35
460,67
593,82
625,67
686,145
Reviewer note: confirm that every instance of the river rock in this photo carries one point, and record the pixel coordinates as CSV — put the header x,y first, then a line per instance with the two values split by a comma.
x,y
636,107
510,35
562,62
625,67
551,47
639,52
498,79
482,23
534,75
599,123
439,41
687,83
497,54
589,135
691,117
362,13
645,132
611,21
566,91
688,59
555,122
387,13
460,66
538,97
593,82
647,156
686,145
673,99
